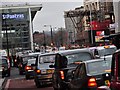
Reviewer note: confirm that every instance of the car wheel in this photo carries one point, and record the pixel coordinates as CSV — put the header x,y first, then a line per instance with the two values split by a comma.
x,y
37,83
20,73
8,73
27,77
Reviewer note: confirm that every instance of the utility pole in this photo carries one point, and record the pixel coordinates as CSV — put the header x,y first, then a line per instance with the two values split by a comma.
x,y
7,43
51,35
44,40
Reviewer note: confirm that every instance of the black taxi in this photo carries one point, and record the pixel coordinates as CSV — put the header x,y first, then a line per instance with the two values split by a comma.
x,y
65,62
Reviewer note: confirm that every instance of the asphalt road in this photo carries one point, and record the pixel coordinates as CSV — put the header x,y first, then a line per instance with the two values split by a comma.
x,y
16,81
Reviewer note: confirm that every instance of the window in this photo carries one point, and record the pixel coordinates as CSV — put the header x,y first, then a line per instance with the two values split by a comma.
x,y
82,71
47,59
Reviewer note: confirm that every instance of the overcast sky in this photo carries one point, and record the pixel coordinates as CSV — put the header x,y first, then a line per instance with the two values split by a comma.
x,y
52,13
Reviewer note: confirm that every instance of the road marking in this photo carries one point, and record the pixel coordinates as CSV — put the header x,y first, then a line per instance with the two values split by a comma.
x,y
7,84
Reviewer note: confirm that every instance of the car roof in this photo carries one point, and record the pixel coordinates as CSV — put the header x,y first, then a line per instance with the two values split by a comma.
x,y
50,53
28,55
95,60
67,52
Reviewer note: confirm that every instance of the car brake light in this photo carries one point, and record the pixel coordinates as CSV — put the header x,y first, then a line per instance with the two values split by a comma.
x,y
38,71
28,68
92,82
15,60
62,75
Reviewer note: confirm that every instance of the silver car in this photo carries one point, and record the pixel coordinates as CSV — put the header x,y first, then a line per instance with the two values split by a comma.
x,y
43,74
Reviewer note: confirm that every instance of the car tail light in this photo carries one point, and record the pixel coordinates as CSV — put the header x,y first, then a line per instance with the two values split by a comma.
x,y
15,60
92,82
62,75
28,68
38,71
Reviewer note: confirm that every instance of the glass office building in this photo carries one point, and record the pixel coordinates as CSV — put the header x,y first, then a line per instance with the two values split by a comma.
x,y
17,27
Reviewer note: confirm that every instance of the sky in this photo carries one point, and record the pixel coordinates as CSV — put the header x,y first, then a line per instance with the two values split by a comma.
x,y
52,13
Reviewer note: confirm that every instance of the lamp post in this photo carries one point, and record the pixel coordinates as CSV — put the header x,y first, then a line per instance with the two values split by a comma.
x,y
91,32
7,42
51,31
44,40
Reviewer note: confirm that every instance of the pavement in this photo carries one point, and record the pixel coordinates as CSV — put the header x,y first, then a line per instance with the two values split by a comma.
x,y
1,82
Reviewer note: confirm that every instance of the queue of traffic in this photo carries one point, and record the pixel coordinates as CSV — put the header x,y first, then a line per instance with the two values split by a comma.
x,y
94,68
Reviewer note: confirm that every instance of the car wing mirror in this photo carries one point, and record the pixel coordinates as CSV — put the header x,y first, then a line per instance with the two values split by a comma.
x,y
97,56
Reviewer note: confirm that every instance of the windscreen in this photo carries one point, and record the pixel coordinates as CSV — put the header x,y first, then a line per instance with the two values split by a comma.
x,y
83,56
47,59
99,67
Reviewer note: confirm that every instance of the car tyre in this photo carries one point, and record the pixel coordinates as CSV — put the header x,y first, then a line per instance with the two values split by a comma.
x,y
8,73
20,73
27,77
37,83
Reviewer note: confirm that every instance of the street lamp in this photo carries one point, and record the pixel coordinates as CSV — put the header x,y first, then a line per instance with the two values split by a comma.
x,y
51,33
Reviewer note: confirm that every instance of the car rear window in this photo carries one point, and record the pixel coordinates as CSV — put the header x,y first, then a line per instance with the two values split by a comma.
x,y
107,51
99,67
4,61
47,59
83,56
25,59
31,61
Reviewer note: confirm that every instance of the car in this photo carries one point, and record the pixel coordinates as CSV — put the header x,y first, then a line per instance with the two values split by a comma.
x,y
115,71
91,75
103,51
5,66
43,74
65,62
29,68
23,61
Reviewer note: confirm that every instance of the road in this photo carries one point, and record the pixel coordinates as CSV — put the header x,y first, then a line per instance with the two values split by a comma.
x,y
16,81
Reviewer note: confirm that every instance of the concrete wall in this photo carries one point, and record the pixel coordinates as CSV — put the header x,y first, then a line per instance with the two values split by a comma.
x,y
116,5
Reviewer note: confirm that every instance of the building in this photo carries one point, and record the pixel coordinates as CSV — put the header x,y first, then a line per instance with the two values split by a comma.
x,y
17,27
101,16
74,20
117,15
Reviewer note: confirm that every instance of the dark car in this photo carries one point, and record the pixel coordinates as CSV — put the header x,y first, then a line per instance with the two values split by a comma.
x,y
91,75
65,62
23,61
5,67
115,71
43,74
29,68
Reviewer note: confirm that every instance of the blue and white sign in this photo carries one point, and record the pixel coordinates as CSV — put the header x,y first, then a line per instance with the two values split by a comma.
x,y
13,16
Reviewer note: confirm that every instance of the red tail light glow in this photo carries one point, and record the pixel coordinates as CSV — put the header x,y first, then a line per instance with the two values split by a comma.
x,y
92,82
28,68
62,75
38,71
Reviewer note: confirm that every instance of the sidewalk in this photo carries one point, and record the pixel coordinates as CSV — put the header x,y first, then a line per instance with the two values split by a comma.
x,y
1,82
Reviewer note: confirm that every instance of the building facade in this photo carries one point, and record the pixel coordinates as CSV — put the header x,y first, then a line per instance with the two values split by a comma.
x,y
117,15
101,16
17,28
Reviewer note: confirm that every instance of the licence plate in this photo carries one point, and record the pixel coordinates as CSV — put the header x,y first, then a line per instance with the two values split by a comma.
x,y
43,71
